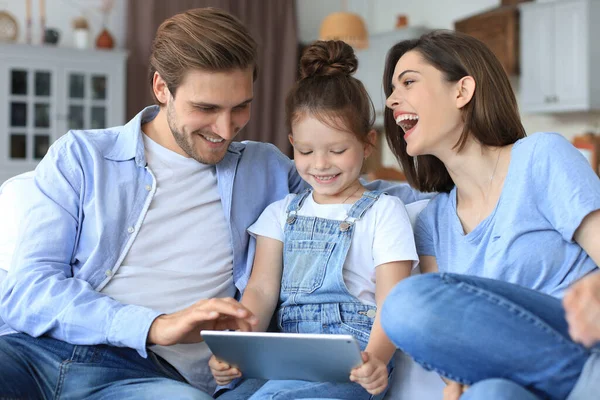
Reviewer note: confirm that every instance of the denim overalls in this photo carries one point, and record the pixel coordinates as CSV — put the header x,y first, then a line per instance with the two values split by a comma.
x,y
314,297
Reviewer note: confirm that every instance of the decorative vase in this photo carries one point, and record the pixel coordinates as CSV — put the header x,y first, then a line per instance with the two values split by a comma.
x,y
81,38
51,36
105,40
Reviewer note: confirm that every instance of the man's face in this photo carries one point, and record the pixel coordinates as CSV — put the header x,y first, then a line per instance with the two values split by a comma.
x,y
208,111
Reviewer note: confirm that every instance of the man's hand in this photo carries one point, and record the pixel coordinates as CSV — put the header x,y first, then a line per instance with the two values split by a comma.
x,y
582,307
214,314
372,375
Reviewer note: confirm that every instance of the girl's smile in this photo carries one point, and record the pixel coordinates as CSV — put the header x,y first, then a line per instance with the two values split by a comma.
x,y
329,158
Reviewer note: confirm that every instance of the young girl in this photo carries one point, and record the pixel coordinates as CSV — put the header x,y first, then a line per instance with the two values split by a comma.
x,y
329,256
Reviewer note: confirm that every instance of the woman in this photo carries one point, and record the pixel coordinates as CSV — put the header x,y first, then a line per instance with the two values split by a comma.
x,y
523,211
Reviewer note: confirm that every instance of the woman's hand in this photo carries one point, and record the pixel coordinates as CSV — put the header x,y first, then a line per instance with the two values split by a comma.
x,y
371,375
223,372
582,307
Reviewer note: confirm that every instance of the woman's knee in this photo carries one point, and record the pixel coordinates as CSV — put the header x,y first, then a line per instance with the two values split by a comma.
x,y
409,305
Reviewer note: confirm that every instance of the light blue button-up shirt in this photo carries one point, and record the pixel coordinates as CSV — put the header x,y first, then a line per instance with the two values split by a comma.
x,y
91,193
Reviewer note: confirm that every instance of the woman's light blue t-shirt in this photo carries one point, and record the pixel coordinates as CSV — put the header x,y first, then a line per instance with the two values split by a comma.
x,y
528,238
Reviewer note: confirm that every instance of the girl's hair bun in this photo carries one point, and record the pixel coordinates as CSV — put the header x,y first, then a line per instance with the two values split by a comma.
x,y
328,58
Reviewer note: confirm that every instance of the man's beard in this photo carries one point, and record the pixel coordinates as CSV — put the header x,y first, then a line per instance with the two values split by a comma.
x,y
187,145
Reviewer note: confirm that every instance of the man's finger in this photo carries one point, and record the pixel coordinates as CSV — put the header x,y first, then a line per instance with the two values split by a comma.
x,y
215,309
223,308
227,322
204,315
243,325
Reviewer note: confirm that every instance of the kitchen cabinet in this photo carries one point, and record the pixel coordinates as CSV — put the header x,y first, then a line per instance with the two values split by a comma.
x,y
499,30
46,91
559,47
371,63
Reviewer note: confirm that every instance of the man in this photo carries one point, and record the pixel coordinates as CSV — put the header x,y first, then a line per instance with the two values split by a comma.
x,y
136,236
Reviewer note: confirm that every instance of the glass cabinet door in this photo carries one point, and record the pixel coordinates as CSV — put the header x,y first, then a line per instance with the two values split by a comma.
x,y
46,91
86,100
30,110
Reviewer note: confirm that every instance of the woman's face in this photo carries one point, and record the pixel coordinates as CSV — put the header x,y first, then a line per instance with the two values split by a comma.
x,y
425,106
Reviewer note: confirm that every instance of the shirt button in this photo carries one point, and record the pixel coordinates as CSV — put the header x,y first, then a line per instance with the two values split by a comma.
x,y
108,273
148,188
131,229
371,313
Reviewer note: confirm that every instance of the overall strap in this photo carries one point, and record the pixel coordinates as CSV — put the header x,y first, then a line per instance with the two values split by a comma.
x,y
296,204
362,205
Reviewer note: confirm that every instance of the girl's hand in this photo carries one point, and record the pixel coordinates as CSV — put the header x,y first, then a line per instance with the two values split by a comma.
x,y
453,390
372,375
223,372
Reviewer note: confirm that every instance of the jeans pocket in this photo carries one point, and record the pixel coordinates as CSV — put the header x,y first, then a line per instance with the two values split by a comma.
x,y
93,354
289,327
164,367
305,263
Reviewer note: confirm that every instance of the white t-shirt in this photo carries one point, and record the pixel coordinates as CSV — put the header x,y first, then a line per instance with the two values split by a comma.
x,y
384,234
182,253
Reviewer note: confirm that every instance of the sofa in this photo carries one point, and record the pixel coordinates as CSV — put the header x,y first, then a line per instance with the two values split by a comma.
x,y
409,381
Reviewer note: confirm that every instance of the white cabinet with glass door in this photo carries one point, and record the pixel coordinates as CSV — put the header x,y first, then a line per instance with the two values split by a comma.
x,y
47,91
559,54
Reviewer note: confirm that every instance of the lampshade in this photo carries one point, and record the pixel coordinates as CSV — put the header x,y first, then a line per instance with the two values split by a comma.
x,y
345,26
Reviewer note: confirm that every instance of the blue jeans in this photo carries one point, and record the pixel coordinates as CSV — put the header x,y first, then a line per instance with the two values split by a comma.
x,y
497,389
258,389
38,368
471,329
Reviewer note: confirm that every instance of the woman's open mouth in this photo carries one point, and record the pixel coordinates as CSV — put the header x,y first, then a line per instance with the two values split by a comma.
x,y
407,122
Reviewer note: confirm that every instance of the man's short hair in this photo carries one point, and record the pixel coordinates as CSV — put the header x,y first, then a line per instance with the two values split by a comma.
x,y
207,39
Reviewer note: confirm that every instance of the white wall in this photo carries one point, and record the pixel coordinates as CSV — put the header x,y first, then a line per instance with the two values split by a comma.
x,y
60,15
439,14
380,16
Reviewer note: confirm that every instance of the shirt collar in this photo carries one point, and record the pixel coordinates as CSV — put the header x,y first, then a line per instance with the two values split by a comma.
x,y
129,143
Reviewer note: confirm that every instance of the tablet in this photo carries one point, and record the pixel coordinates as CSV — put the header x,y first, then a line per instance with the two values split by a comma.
x,y
266,355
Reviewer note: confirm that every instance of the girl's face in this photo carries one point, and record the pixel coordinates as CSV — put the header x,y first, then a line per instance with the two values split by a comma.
x,y
425,106
328,159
